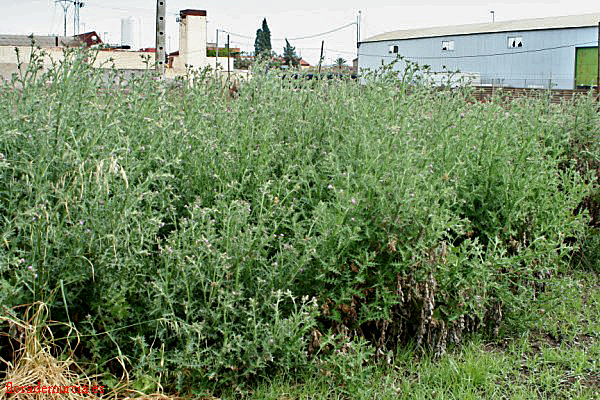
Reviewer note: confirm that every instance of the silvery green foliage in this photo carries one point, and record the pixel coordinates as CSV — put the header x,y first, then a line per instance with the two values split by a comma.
x,y
207,240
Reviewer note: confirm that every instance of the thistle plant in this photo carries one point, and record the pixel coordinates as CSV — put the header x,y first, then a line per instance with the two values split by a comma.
x,y
206,241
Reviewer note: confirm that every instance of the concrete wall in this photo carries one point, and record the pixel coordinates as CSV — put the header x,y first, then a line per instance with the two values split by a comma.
x,y
221,63
128,60
547,58
124,60
9,61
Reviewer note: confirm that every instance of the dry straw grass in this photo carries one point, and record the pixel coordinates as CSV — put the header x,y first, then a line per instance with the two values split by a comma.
x,y
39,362
34,361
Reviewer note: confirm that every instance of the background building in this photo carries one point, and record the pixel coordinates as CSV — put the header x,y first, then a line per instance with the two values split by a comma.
x,y
557,52
126,56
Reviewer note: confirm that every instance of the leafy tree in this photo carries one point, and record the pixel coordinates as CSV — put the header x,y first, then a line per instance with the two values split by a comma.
x,y
340,62
290,57
262,43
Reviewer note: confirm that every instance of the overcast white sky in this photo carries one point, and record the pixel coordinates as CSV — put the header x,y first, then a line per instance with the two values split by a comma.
x,y
286,19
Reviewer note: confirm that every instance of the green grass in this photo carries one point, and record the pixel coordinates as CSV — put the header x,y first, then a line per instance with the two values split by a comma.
x,y
555,355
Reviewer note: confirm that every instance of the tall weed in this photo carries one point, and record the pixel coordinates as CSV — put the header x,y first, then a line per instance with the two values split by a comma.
x,y
206,240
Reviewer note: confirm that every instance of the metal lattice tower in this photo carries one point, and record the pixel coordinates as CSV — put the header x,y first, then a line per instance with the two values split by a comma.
x,y
65,5
78,5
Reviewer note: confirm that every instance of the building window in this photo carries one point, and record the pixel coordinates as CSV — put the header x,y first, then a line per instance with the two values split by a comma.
x,y
394,49
447,45
515,41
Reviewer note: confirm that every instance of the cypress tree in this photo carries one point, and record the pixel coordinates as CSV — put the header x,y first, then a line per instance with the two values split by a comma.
x,y
262,43
258,43
266,37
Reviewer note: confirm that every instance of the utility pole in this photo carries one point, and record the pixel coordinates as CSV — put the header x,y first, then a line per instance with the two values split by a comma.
x,y
228,67
321,57
161,8
358,20
217,53
358,17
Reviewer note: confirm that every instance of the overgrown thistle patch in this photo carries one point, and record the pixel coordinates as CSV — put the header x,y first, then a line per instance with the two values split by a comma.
x,y
205,241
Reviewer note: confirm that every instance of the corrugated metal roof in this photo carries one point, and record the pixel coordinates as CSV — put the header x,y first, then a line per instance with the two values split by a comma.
x,y
569,21
41,41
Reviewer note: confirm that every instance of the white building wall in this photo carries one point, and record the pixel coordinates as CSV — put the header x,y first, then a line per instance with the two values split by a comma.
x,y
192,41
221,63
125,60
546,59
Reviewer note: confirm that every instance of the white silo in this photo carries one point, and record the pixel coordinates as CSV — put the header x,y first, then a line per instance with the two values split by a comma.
x,y
130,32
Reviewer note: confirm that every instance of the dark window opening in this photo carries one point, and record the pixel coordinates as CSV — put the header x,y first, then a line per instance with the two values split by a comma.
x,y
447,45
515,42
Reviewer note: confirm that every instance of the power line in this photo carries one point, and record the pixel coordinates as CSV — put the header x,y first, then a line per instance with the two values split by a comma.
x,y
236,34
296,38
131,9
321,34
128,9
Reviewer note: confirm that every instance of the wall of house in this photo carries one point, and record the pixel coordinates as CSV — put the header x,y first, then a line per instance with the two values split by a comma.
x,y
546,59
127,60
123,60
9,60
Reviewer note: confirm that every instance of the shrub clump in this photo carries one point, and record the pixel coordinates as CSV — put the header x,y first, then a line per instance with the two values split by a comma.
x,y
207,241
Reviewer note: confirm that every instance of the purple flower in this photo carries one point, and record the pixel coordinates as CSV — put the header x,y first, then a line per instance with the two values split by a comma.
x,y
353,201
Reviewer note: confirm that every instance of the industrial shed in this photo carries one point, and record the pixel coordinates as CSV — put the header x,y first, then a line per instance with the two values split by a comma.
x,y
557,52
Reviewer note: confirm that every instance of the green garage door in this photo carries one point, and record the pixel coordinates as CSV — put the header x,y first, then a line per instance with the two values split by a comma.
x,y
586,66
